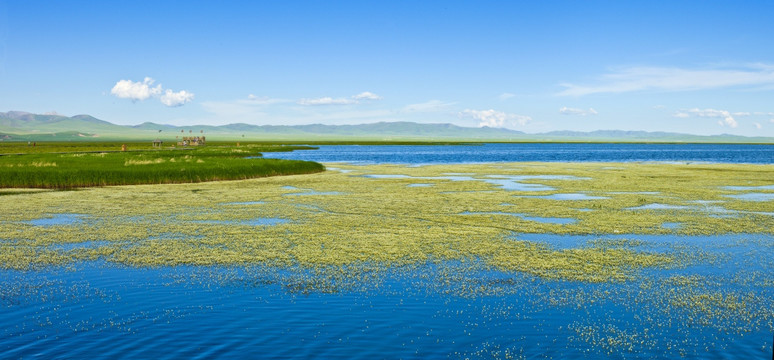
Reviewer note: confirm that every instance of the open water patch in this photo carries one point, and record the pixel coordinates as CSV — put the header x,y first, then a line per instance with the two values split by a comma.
x,y
343,171
569,197
659,206
671,225
419,185
263,221
58,219
242,203
749,188
702,206
753,196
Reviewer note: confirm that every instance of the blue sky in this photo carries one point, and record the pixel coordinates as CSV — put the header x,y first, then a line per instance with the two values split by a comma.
x,y
700,67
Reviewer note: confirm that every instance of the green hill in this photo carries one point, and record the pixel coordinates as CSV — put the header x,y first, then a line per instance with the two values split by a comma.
x,y
24,126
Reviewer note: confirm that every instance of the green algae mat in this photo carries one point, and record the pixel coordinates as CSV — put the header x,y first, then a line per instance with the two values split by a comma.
x,y
388,215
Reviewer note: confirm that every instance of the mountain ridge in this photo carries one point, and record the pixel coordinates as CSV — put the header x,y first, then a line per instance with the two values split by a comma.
x,y
20,125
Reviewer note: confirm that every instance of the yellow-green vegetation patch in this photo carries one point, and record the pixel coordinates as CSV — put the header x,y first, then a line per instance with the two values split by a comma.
x,y
346,218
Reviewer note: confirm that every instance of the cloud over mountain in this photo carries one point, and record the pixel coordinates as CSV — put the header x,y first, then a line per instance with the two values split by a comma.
x,y
493,118
136,91
727,119
139,91
573,111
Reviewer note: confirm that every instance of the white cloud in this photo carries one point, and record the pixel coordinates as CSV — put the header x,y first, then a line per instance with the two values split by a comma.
x,y
493,118
573,111
138,91
742,113
506,96
128,89
758,126
261,100
771,120
429,106
673,79
682,115
367,95
726,116
659,107
172,99
326,101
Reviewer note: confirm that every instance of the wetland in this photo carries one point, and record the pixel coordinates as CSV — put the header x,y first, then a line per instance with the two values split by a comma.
x,y
575,259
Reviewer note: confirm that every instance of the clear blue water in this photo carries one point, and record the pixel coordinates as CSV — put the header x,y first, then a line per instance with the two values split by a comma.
x,y
98,310
428,154
57,219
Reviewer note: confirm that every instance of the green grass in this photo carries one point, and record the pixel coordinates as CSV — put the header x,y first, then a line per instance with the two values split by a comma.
x,y
7,148
72,165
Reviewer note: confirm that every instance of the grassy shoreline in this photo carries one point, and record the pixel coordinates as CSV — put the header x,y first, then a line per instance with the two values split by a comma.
x,y
58,166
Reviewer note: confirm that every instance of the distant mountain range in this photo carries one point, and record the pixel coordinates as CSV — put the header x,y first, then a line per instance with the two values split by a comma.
x,y
23,126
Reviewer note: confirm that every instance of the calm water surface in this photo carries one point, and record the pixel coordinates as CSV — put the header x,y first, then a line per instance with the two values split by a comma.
x,y
450,154
98,310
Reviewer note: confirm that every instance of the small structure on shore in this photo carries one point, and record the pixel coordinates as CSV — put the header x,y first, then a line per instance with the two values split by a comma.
x,y
192,141
157,143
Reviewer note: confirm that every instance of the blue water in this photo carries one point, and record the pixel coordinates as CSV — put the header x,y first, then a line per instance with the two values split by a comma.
x,y
251,222
57,219
98,310
449,154
570,196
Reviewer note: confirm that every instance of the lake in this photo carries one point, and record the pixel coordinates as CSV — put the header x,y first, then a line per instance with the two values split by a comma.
x,y
615,152
598,266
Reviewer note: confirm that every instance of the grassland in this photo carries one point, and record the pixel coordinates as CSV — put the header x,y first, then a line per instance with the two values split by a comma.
x,y
72,165
16,148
